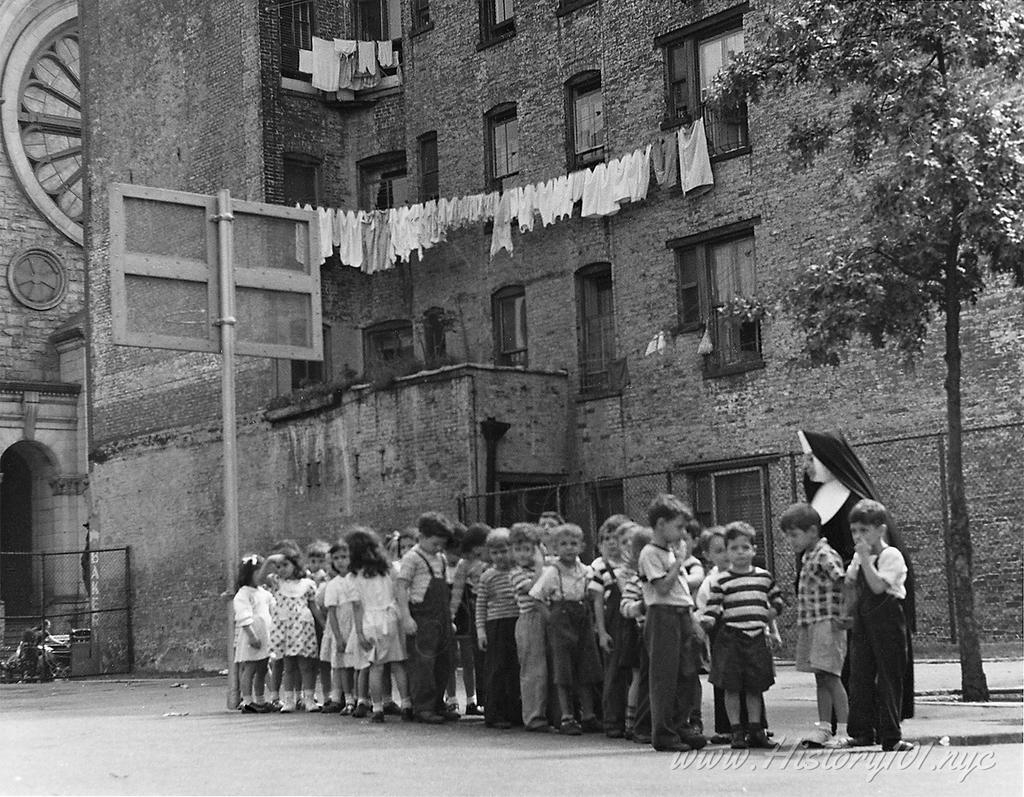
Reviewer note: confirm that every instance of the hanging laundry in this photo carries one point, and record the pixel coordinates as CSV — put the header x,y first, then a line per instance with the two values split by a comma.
x,y
501,235
577,183
325,217
527,204
322,63
705,347
346,51
545,202
657,344
694,163
377,252
665,160
642,182
350,249
594,186
561,200
618,189
386,55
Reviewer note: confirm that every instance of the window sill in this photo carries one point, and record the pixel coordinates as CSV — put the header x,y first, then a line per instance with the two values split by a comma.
x,y
298,85
485,44
585,161
715,371
566,7
733,153
597,395
419,31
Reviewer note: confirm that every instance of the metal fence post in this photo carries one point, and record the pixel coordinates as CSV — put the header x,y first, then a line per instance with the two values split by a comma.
x,y
128,607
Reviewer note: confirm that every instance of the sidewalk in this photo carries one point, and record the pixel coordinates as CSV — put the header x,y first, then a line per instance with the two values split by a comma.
x,y
939,718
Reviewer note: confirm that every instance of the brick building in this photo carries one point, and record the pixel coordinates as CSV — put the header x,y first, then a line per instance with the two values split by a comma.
x,y
550,340
43,433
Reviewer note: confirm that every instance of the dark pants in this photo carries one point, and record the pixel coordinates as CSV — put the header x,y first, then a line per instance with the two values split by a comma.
x,y
618,671
878,664
430,652
669,637
642,721
502,667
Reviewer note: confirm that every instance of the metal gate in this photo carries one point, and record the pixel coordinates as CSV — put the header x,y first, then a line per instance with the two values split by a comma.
x,y
84,595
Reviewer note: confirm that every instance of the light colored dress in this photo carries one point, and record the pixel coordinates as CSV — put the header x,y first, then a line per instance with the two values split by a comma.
x,y
380,623
336,593
253,606
294,632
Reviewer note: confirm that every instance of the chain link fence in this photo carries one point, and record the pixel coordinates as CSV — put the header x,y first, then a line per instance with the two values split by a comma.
x,y
910,473
85,597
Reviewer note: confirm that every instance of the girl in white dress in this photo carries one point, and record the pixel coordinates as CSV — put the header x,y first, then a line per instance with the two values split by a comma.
x,y
252,605
376,639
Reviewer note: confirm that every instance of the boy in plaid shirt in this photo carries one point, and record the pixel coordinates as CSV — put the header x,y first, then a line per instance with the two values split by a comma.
x,y
821,626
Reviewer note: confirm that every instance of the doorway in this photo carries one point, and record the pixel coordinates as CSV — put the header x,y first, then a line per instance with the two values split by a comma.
x,y
16,577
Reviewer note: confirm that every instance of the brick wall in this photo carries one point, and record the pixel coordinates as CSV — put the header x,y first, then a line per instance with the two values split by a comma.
x,y
380,458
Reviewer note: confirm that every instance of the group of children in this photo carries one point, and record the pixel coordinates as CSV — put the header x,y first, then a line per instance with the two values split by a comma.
x,y
553,645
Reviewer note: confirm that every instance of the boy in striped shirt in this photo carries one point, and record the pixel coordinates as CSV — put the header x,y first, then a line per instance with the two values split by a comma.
x,y
745,601
531,630
496,615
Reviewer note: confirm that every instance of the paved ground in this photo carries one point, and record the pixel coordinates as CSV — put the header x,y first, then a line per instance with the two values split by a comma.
x,y
152,736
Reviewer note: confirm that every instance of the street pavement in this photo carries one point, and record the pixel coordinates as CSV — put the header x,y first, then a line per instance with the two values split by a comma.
x,y
174,736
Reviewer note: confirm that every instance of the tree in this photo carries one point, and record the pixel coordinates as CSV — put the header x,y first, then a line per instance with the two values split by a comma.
x,y
928,121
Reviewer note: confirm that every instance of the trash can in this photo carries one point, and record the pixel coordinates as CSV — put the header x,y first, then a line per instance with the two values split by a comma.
x,y
84,660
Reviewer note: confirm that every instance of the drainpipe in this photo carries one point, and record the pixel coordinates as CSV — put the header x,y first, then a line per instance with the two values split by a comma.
x,y
492,431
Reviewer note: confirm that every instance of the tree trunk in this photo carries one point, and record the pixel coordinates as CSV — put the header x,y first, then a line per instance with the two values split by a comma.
x,y
958,546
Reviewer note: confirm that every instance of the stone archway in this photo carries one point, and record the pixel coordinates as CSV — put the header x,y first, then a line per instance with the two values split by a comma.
x,y
26,519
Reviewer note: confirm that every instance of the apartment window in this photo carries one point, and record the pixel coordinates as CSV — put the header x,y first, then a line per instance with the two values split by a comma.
x,y
585,120
509,314
693,56
737,493
435,343
383,181
716,279
386,345
301,180
296,21
378,20
421,20
596,327
309,372
497,21
502,144
428,167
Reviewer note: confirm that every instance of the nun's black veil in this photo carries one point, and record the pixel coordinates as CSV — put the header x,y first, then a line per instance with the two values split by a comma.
x,y
836,454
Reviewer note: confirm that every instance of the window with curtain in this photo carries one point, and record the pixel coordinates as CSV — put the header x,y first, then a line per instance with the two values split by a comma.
x,y
502,143
297,28
693,57
716,289
585,122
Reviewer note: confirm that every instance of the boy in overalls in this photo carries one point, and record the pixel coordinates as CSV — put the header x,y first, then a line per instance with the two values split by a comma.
x,y
562,587
879,651
423,605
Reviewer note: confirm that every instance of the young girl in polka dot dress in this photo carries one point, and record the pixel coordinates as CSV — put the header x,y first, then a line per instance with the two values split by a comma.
x,y
293,638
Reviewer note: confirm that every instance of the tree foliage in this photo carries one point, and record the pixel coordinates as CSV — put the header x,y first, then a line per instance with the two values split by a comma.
x,y
928,115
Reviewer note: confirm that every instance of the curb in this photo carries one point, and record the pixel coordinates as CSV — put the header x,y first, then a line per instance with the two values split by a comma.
x,y
969,740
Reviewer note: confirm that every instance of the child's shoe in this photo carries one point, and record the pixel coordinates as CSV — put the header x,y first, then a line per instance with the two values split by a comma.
x,y
408,715
569,727
738,740
348,710
820,737
591,725
693,739
838,742
287,707
472,710
899,746
361,711
721,738
391,707
758,740
249,708
378,716
331,707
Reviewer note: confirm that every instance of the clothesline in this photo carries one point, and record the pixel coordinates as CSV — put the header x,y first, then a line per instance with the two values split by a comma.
x,y
374,240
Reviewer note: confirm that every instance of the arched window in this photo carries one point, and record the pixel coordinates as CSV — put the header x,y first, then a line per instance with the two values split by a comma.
x,y
508,308
584,119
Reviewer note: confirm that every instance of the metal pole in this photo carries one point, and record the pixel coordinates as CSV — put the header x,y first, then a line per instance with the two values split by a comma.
x,y
226,322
